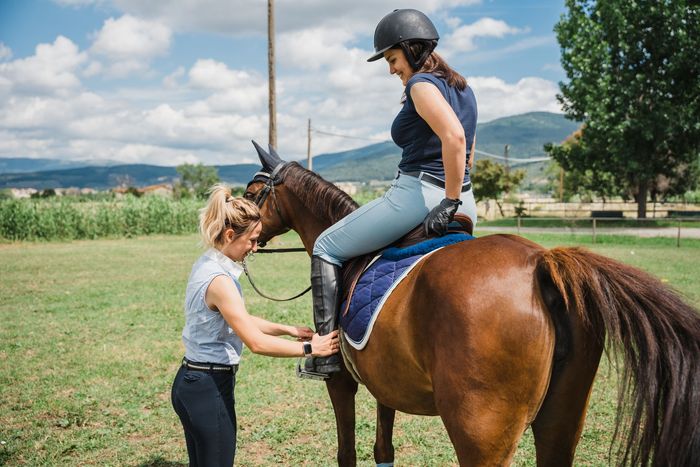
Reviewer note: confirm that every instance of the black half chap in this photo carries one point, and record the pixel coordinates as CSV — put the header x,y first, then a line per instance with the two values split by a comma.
x,y
204,402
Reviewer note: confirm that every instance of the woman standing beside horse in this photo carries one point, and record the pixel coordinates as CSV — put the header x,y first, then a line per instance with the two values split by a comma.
x,y
216,327
435,128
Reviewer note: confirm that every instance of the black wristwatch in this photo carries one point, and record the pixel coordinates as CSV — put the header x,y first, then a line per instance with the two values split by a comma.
x,y
307,348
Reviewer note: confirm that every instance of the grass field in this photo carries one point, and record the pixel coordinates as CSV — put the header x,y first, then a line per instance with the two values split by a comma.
x,y
90,342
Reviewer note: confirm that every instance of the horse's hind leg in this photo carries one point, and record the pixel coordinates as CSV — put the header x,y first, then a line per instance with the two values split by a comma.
x,y
383,447
559,422
342,389
484,429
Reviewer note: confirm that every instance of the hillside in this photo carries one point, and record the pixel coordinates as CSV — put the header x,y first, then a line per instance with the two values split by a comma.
x,y
25,164
526,134
103,178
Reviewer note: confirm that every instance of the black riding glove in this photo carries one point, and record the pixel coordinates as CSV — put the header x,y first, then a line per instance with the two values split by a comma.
x,y
440,216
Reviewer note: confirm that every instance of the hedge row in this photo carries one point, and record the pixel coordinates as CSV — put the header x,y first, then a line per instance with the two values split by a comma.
x,y
57,219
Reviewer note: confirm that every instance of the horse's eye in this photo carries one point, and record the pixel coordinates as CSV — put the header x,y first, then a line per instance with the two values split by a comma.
x,y
249,195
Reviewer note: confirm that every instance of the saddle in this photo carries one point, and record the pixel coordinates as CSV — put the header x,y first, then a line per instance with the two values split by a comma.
x,y
353,269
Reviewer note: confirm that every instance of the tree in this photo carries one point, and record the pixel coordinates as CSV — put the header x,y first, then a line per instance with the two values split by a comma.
x,y
576,178
633,69
47,193
195,180
490,181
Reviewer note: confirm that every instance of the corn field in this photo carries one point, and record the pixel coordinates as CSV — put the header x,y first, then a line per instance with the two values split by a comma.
x,y
66,219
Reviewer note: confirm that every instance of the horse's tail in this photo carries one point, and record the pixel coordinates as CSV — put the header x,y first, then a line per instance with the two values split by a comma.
x,y
658,335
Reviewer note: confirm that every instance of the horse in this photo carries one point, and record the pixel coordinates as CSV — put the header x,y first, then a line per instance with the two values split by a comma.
x,y
498,334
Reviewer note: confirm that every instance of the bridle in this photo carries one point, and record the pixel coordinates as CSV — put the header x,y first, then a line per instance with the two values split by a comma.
x,y
271,179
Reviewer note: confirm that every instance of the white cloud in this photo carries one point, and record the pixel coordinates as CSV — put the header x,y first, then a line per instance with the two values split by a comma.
x,y
462,39
5,52
234,90
245,17
79,3
94,68
171,81
210,74
128,44
50,70
496,98
208,111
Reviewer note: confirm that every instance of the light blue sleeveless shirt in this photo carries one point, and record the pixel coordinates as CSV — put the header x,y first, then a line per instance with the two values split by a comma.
x,y
206,335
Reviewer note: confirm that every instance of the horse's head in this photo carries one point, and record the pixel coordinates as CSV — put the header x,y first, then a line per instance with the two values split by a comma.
x,y
266,189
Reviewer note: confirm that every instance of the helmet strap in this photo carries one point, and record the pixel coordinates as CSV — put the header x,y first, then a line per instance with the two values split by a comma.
x,y
417,63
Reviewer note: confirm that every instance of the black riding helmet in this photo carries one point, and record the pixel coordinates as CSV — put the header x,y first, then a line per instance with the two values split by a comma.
x,y
401,27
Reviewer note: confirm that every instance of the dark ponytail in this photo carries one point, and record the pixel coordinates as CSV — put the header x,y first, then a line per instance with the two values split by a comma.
x,y
434,64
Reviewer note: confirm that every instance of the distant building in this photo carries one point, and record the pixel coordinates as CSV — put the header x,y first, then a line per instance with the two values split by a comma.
x,y
162,189
72,191
23,192
347,187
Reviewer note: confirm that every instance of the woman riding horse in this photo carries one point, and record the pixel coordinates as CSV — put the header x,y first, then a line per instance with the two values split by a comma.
x,y
511,338
437,121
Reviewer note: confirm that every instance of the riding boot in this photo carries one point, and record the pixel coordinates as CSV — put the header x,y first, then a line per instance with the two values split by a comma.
x,y
325,286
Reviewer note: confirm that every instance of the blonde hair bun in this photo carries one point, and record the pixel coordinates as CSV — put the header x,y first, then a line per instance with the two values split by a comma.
x,y
222,211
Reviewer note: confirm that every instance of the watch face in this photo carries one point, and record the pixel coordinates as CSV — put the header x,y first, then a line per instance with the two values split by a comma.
x,y
307,348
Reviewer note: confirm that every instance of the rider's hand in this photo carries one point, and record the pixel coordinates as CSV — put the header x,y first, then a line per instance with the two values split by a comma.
x,y
323,346
440,216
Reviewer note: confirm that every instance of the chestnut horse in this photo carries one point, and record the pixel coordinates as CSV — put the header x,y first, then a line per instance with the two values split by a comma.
x,y
497,334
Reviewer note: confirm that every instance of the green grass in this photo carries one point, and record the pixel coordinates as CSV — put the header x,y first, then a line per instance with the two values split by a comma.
x,y
90,342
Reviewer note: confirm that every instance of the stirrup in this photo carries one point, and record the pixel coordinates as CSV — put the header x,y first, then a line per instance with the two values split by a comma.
x,y
303,373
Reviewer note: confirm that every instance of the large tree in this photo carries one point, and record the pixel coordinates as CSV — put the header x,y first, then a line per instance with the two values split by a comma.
x,y
633,71
569,180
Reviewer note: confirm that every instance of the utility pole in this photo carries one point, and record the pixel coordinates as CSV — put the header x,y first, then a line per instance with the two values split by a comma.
x,y
272,132
308,147
505,155
561,184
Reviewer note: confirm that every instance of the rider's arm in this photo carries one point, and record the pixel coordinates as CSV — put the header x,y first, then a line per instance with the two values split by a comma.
x,y
470,162
437,113
277,329
223,296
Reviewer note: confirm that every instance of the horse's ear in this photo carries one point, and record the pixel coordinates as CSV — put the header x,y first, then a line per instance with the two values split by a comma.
x,y
274,154
269,161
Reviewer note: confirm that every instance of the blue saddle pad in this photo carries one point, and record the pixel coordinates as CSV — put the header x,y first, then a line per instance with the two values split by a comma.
x,y
377,282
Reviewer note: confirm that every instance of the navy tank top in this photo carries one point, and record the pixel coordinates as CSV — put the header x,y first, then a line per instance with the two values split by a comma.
x,y
422,149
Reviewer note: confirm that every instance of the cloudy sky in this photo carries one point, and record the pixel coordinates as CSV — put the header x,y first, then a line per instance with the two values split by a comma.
x,y
172,81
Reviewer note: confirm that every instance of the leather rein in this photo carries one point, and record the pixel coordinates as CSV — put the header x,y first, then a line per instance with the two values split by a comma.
x,y
268,191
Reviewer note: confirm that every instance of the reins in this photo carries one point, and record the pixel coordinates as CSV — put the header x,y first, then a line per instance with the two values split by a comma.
x,y
250,279
269,191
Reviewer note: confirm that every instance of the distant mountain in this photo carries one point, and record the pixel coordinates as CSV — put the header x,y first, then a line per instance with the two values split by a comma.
x,y
526,134
24,164
103,178
100,178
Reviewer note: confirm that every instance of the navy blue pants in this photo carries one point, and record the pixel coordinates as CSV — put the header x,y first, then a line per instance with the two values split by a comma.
x,y
205,404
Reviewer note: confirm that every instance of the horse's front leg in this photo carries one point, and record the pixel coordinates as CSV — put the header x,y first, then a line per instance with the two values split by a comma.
x,y
342,389
383,448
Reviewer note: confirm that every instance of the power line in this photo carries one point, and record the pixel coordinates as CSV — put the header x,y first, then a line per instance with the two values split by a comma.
x,y
320,132
513,160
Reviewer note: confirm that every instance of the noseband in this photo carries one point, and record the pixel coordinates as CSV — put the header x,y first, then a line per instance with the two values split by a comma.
x,y
271,179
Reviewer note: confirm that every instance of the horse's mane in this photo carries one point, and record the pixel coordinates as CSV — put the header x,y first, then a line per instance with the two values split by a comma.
x,y
324,199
